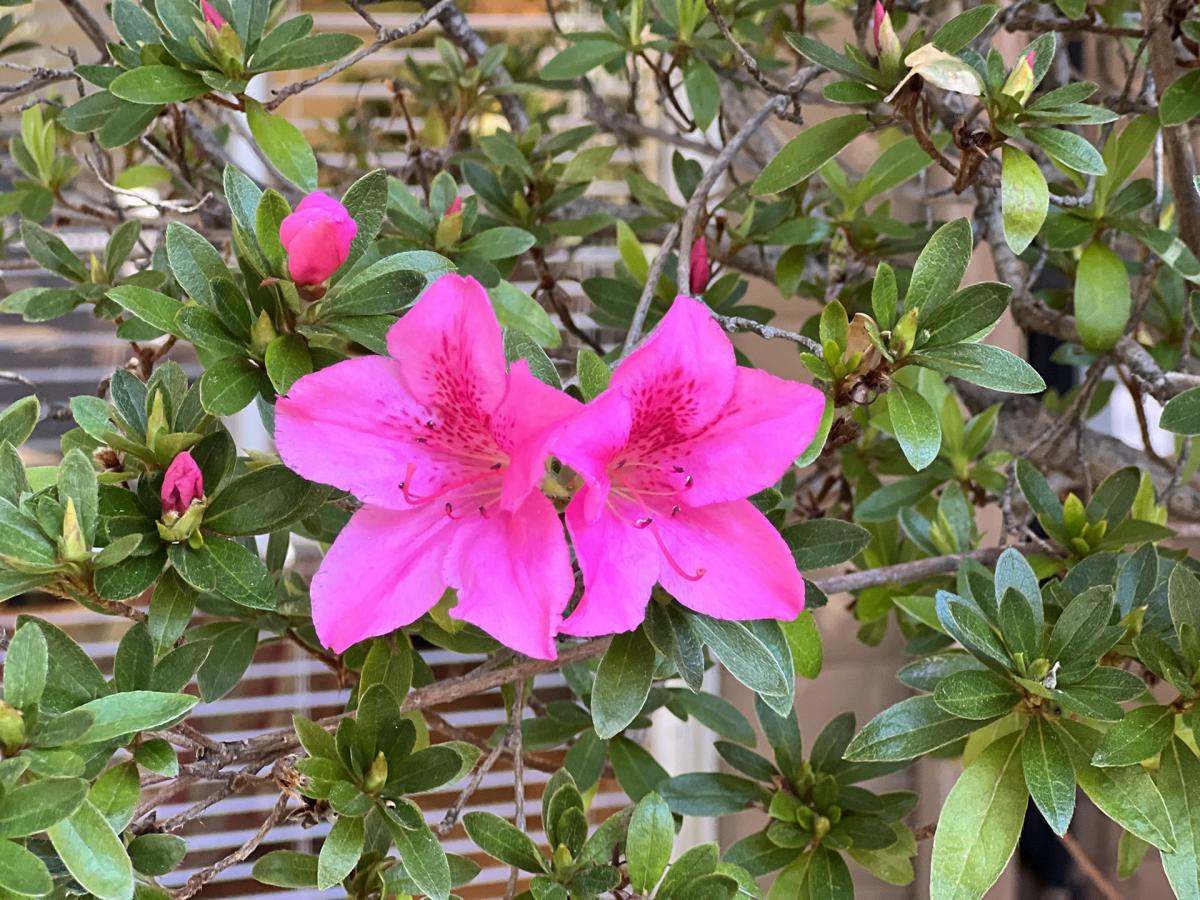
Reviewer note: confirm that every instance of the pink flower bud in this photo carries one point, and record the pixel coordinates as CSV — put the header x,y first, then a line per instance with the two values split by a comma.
x,y
700,269
880,13
211,16
182,484
317,237
454,207
1031,58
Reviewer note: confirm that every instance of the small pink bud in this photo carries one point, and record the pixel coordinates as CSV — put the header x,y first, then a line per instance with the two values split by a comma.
x,y
454,207
211,16
880,13
1031,58
699,269
317,237
182,484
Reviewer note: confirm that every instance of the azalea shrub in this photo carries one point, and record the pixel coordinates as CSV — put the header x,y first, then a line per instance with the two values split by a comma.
x,y
481,445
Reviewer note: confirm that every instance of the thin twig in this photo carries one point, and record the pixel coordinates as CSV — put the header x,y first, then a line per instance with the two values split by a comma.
x,y
383,37
734,324
207,874
518,712
1095,876
696,203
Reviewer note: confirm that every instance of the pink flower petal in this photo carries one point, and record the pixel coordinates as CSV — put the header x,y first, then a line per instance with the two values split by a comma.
x,y
749,572
768,423
513,575
523,425
383,571
620,565
355,426
590,441
451,353
314,251
322,201
683,375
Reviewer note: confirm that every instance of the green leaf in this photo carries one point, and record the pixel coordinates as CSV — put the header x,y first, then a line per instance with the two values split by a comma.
x,y
941,265
152,85
1024,198
748,658
805,642
227,568
516,309
915,425
157,854
33,807
227,386
648,846
195,263
818,543
503,242
25,667
709,794
501,839
1048,774
340,851
153,308
907,730
807,152
1126,794
703,90
1141,734
955,34
422,856
1181,414
262,501
976,695
717,713
984,365
115,795
828,876
131,711
622,682
519,345
980,823
287,359
284,145
579,59
171,608
1102,298
286,869
1179,784
1068,149
23,873
636,770
50,250
963,314
230,655
1180,103
19,419
21,539
594,373
93,854
158,756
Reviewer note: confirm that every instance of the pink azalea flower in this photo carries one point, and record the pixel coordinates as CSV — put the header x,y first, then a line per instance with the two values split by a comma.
x,y
317,238
446,450
211,16
699,270
668,455
182,484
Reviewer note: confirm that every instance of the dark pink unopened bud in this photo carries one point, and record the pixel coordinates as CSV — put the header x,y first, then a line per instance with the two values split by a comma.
x,y
211,16
1031,58
182,484
699,270
454,207
317,238
880,12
